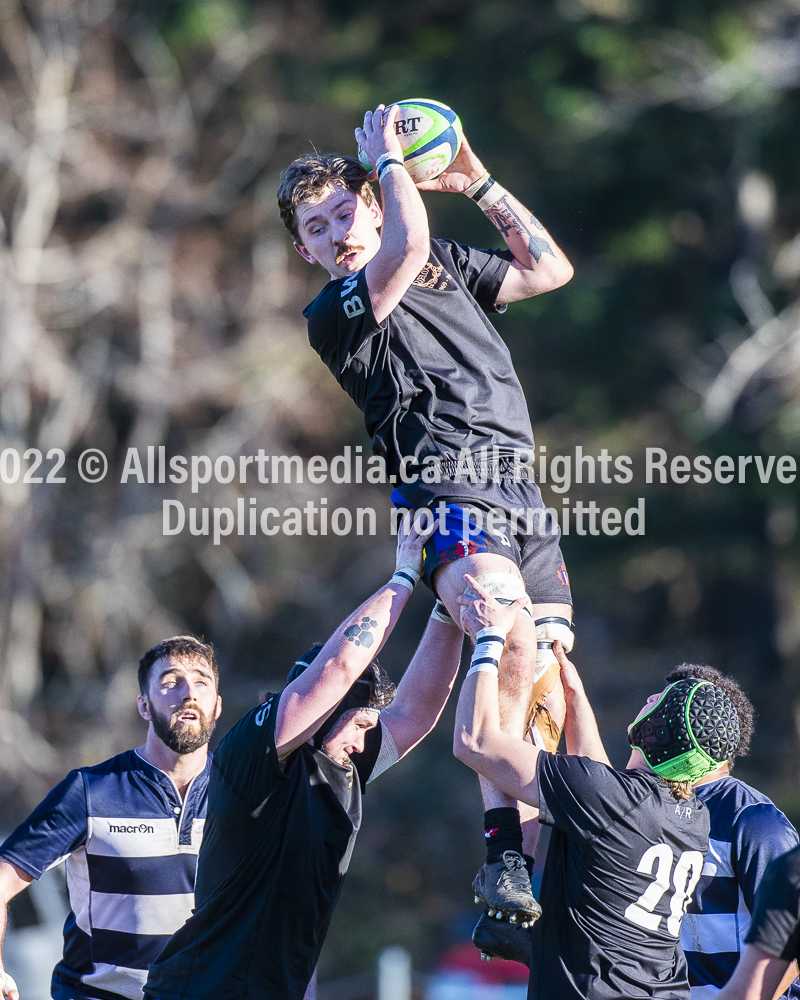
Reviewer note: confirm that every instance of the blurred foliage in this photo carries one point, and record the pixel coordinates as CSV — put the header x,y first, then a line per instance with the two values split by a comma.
x,y
151,297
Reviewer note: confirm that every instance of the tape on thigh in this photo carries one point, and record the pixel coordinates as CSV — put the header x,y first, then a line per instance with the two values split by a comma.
x,y
505,588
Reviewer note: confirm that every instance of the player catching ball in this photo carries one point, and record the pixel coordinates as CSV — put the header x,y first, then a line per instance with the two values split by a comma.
x,y
403,327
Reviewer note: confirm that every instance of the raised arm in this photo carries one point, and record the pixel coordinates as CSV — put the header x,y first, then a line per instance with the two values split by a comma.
x,y
405,239
12,881
310,698
425,687
509,763
539,264
580,725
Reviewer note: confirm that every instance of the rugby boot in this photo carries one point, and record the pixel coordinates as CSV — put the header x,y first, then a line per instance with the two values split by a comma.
x,y
498,939
504,887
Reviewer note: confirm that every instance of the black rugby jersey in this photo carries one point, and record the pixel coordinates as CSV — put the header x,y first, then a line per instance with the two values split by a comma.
x,y
435,376
775,927
277,845
623,860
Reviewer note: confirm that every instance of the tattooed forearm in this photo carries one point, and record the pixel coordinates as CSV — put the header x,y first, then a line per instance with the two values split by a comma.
x,y
361,634
537,247
504,218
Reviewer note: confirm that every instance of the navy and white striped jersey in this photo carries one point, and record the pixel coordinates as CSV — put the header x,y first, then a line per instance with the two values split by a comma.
x,y
131,846
747,832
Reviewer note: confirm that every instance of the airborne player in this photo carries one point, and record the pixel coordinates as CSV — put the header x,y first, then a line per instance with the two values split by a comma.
x,y
403,327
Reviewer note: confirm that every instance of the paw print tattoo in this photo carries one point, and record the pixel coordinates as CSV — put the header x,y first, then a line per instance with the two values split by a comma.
x,y
360,634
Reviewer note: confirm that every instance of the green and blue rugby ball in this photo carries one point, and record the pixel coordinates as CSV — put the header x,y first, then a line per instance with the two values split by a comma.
x,y
430,134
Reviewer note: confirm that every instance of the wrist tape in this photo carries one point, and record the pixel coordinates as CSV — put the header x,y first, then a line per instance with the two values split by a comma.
x,y
385,162
485,191
405,577
477,185
489,644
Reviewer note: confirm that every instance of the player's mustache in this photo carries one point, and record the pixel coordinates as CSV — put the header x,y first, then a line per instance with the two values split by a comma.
x,y
343,249
188,708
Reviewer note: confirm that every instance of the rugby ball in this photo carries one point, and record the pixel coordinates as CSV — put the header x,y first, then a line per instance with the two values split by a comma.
x,y
430,134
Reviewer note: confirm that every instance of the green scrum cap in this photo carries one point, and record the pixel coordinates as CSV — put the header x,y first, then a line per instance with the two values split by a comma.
x,y
689,732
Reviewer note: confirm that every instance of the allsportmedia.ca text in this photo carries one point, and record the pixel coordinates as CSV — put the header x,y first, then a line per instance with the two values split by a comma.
x,y
318,519
559,472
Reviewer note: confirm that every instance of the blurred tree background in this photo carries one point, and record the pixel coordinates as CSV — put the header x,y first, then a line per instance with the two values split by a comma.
x,y
150,297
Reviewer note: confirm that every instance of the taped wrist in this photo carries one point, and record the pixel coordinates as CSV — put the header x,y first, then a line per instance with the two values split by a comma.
x,y
489,644
387,167
406,577
477,185
386,158
485,191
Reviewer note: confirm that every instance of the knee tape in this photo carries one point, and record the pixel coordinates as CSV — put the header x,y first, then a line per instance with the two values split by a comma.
x,y
548,630
505,588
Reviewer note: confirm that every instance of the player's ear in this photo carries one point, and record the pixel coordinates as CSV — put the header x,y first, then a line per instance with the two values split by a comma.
x,y
218,710
143,705
376,213
304,253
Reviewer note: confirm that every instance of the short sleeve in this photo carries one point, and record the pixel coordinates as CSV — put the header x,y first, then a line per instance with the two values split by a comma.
x,y
387,755
341,321
247,759
761,833
580,796
483,272
55,828
775,928
366,763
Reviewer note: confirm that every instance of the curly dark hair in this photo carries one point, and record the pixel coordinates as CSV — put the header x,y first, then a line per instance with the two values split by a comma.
x,y
309,177
382,687
182,647
742,704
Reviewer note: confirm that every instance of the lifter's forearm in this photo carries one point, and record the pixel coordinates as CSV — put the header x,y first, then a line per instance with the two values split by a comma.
x,y
525,236
405,221
405,240
580,728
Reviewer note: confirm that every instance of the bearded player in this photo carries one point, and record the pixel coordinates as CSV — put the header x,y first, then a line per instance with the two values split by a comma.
x,y
403,327
129,830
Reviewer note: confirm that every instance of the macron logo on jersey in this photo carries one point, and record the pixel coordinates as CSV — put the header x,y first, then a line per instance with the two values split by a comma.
x,y
262,714
139,828
352,306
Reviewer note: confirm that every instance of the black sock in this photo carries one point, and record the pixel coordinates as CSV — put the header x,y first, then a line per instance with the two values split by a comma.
x,y
529,864
502,832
